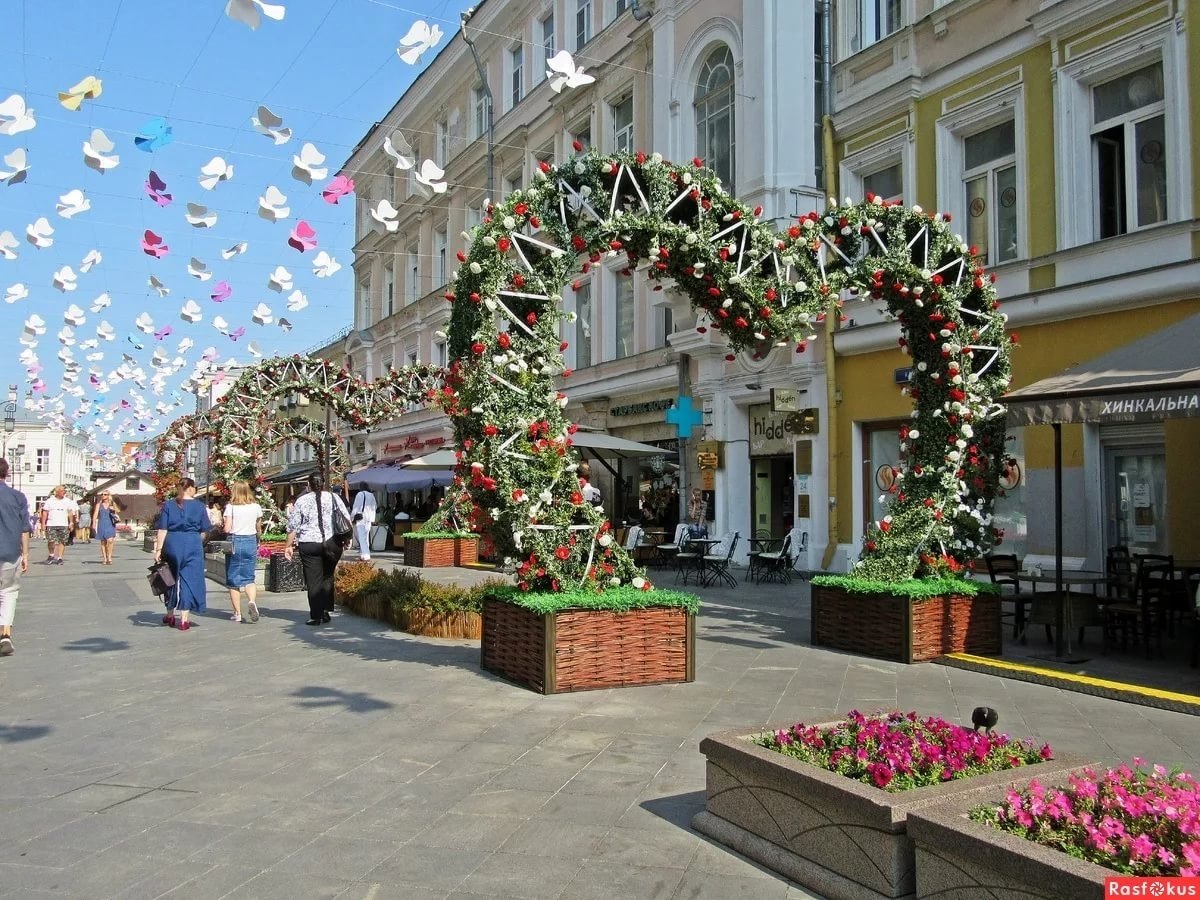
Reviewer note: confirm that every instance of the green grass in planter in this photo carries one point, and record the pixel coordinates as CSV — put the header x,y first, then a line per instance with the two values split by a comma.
x,y
436,535
615,599
913,588
274,537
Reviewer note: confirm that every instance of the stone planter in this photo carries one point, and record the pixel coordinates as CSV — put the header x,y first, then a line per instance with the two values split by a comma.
x,y
958,859
430,552
902,629
214,567
148,543
585,649
841,838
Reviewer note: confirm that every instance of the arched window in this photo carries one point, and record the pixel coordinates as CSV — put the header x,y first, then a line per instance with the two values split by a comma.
x,y
713,104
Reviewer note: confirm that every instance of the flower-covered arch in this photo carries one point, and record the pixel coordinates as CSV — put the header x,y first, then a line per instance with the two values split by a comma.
x,y
759,289
170,451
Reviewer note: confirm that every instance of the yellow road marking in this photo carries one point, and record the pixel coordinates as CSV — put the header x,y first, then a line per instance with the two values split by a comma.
x,y
1078,679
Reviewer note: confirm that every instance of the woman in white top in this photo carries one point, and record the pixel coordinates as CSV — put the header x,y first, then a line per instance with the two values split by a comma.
x,y
310,530
243,525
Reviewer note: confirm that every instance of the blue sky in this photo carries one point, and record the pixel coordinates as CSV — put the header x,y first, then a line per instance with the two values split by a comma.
x,y
329,69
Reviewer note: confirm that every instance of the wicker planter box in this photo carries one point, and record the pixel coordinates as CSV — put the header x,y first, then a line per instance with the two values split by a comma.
x,y
585,649
427,623
839,837
903,629
958,859
466,551
430,553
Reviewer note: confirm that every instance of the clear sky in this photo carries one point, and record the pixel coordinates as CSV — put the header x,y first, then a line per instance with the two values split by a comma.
x,y
330,69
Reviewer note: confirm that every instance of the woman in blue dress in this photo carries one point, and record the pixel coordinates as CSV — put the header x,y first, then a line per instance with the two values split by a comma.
x,y
182,523
104,527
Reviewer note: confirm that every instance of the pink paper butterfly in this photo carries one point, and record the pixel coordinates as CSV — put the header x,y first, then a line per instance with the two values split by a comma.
x,y
38,386
156,190
338,188
125,404
208,356
94,380
237,332
164,333
152,245
222,293
303,237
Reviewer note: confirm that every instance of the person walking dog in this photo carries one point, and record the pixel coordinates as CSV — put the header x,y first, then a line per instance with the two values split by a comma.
x,y
14,554
311,532
243,527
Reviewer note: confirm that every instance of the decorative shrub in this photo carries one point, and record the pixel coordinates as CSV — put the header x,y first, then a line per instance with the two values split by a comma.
x,y
913,588
1131,820
271,538
349,579
617,599
898,751
383,595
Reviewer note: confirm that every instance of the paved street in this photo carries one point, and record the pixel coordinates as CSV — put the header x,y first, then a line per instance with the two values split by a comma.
x,y
275,760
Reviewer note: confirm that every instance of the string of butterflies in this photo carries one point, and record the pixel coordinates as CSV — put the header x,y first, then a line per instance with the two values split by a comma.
x,y
87,381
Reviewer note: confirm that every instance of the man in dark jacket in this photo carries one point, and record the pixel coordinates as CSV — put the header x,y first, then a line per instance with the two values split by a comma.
x,y
14,554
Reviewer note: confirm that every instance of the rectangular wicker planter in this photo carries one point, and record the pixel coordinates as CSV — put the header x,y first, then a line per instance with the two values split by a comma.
x,y
466,551
839,837
958,859
903,629
430,553
586,649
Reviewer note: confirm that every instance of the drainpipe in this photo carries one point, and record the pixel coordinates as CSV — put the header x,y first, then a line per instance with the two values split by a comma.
x,y
464,17
831,389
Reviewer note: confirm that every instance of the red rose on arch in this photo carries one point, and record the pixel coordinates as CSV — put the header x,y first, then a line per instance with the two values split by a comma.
x,y
562,553
504,340
477,348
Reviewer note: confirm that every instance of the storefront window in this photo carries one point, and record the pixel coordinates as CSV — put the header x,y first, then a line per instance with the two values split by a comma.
x,y
1135,499
1008,514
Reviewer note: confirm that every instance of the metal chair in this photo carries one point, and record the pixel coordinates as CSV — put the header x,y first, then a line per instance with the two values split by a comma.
x,y
1003,569
716,565
664,554
775,564
686,557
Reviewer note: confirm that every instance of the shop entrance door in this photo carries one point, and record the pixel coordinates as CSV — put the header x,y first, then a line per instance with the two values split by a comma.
x,y
771,496
1135,499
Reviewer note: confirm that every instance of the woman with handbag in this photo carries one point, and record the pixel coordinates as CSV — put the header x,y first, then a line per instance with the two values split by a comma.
x,y
319,527
243,525
104,526
182,525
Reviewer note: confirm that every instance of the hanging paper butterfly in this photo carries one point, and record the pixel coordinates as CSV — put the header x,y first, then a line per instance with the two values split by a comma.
x,y
338,188
152,245
222,292
156,189
303,237
154,135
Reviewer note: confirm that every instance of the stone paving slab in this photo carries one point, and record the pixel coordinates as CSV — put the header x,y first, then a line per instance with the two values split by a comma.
x,y
277,760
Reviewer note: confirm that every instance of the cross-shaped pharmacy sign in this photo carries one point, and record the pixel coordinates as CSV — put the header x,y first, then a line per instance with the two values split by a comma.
x,y
684,417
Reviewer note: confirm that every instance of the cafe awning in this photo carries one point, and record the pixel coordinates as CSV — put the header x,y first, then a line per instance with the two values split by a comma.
x,y
597,444
394,478
1150,379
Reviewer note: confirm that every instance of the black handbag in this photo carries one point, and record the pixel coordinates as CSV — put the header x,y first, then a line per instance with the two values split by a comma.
x,y
342,529
161,578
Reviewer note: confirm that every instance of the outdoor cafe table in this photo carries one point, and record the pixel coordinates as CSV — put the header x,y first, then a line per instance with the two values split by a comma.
x,y
1074,577
704,545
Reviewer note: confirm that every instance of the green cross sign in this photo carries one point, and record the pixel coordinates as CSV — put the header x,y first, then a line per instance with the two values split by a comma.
x,y
684,417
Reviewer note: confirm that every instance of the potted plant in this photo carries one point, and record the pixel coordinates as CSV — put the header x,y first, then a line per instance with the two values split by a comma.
x,y
1062,841
579,639
910,620
440,548
827,805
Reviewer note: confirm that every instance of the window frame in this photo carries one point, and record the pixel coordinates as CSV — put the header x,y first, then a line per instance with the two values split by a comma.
x,y
412,272
619,283
442,141
516,75
626,96
574,342
478,112
866,15
585,15
882,155
364,303
953,129
546,47
39,454
990,170
703,151
1074,155
389,289
441,242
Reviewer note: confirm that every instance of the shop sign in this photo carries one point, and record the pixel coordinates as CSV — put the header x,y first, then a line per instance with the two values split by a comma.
x,y
768,431
641,409
708,479
708,455
784,400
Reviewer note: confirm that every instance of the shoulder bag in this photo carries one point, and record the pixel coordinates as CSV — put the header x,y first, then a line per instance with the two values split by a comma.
x,y
342,529
160,578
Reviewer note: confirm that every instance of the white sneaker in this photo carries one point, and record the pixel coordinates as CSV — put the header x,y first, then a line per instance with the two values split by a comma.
x,y
6,646
253,611
235,618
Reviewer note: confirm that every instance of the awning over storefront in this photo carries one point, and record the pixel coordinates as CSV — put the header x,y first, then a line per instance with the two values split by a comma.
x,y
295,472
394,478
596,443
1154,378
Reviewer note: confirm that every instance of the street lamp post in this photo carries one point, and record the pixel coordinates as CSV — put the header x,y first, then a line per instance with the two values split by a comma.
x,y
464,17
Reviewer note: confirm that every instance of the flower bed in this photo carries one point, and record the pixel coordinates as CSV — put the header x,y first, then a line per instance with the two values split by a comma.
x,y
574,641
825,823
914,621
405,601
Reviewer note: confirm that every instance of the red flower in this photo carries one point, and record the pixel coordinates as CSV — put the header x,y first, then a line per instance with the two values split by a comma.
x,y
521,208
697,162
576,497
578,243
504,340
477,348
577,145
518,495
491,430
531,318
462,256
562,553
503,244
544,166
475,298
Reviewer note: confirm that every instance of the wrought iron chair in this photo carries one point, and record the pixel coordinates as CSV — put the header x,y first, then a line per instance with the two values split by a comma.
x,y
716,565
664,554
1003,569
687,557
776,564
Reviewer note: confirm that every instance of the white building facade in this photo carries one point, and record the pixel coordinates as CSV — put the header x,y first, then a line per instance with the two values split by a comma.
x,y
40,458
733,83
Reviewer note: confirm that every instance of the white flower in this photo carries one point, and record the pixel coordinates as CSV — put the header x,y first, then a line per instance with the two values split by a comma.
x,y
656,157
499,359
639,582
968,431
691,238
921,367
495,514
510,223
476,268
960,444
914,434
546,497
580,168
489,241
687,177
586,190
614,582
604,540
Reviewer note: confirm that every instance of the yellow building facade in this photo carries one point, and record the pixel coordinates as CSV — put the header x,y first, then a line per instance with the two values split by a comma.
x,y
1060,137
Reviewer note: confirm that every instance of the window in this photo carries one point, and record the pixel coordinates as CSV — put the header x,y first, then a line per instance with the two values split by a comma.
x,y
389,290
439,354
513,182
412,357
412,173
442,150
412,265
1129,153
886,183
516,72
990,178
582,134
818,105
479,102
546,30
868,21
133,483
475,213
713,105
622,116
623,312
622,5
666,322
42,458
364,304
583,325
583,22
439,260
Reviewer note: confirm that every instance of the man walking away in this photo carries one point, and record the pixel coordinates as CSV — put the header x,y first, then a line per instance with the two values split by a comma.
x,y
59,513
14,554
363,515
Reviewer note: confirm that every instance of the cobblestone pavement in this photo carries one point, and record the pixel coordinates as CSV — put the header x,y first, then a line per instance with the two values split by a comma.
x,y
277,760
